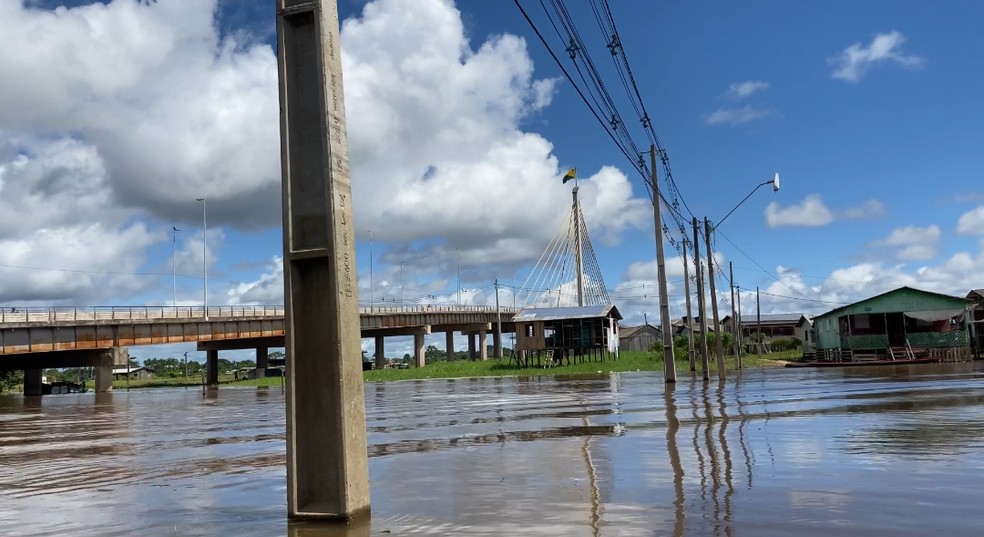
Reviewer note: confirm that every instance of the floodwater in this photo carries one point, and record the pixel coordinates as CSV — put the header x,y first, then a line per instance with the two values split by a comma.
x,y
848,452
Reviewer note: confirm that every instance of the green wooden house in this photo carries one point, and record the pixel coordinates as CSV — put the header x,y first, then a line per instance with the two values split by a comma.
x,y
898,324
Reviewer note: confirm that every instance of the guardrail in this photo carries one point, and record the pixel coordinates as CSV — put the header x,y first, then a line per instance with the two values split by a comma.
x,y
124,313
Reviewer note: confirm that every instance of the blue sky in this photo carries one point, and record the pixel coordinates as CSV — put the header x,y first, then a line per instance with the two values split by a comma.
x,y
118,116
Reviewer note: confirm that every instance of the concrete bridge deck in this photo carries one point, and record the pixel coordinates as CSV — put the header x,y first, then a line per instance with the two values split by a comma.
x,y
35,338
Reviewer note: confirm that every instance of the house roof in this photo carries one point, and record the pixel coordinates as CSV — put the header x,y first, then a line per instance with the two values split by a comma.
x,y
900,289
629,331
556,314
774,319
976,295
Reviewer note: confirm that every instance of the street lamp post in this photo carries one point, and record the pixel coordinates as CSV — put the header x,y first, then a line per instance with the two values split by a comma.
x,y
458,255
174,277
403,293
372,298
708,229
204,253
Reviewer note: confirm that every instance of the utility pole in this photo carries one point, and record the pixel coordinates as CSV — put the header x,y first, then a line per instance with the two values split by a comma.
x,y
734,320
690,317
758,321
186,365
403,291
718,344
204,253
701,307
498,323
372,296
741,334
174,277
669,366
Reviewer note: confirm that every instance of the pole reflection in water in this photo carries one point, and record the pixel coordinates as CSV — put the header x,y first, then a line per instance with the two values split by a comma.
x,y
672,427
824,453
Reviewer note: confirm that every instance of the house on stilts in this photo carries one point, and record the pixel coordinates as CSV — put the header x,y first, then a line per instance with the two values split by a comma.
x,y
906,323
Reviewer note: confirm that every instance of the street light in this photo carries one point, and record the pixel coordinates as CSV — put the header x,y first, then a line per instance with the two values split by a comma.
x,y
403,294
372,299
174,278
708,229
204,253
775,188
458,254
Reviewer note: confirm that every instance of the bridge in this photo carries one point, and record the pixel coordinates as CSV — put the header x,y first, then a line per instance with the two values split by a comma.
x,y
35,338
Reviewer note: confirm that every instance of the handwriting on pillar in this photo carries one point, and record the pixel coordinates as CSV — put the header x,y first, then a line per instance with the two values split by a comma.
x,y
339,173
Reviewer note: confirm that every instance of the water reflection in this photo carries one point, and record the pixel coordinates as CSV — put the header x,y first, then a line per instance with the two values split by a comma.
x,y
764,453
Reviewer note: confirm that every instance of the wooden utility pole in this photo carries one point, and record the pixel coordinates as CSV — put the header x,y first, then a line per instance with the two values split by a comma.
x,y
758,320
701,308
718,344
741,335
669,366
690,317
734,319
498,324
327,458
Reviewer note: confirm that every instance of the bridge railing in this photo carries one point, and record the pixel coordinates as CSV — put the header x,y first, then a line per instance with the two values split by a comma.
x,y
123,313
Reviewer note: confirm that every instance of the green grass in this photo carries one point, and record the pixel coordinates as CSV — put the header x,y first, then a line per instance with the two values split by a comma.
x,y
628,361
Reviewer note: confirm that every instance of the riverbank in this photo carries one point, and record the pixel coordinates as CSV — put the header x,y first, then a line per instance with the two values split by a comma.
x,y
628,361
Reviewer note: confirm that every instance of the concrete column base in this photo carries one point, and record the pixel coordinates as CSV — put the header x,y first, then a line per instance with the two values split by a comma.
x,y
32,381
212,368
380,352
262,361
104,378
483,350
471,346
449,336
418,346
497,344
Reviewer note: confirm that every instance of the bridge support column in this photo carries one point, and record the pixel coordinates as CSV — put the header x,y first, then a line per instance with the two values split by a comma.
x,y
104,378
212,367
381,352
449,337
262,361
418,348
483,349
471,346
497,344
32,381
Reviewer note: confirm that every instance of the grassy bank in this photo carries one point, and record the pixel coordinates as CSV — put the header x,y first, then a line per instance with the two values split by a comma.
x,y
628,361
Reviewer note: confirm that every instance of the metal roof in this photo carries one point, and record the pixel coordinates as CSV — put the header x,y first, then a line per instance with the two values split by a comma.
x,y
554,314
902,289
773,318
629,331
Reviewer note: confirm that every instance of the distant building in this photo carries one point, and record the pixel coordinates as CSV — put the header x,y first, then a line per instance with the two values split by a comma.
x,y
135,373
680,326
777,326
638,338
901,323
976,320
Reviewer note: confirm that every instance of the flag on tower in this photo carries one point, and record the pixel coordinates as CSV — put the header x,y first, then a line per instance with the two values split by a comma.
x,y
569,175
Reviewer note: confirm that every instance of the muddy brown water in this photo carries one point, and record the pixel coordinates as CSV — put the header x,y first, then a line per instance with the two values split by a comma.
x,y
853,452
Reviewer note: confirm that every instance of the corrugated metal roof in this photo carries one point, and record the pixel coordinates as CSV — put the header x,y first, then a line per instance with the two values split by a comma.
x,y
629,331
900,290
553,314
773,318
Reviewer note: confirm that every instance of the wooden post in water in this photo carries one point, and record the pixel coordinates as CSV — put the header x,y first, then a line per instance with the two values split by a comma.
x,y
690,316
701,307
718,343
327,461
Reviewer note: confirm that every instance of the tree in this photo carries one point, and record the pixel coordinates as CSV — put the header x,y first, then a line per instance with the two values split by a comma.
x,y
9,379
433,354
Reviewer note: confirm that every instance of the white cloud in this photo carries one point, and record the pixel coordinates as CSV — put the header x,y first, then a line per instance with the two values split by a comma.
x,y
810,213
915,243
740,90
971,222
869,209
737,116
854,61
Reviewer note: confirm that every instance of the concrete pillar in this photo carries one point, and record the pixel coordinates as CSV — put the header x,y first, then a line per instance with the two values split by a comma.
x,y
104,378
449,336
380,352
418,347
212,368
471,346
32,381
483,350
497,344
262,361
327,454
